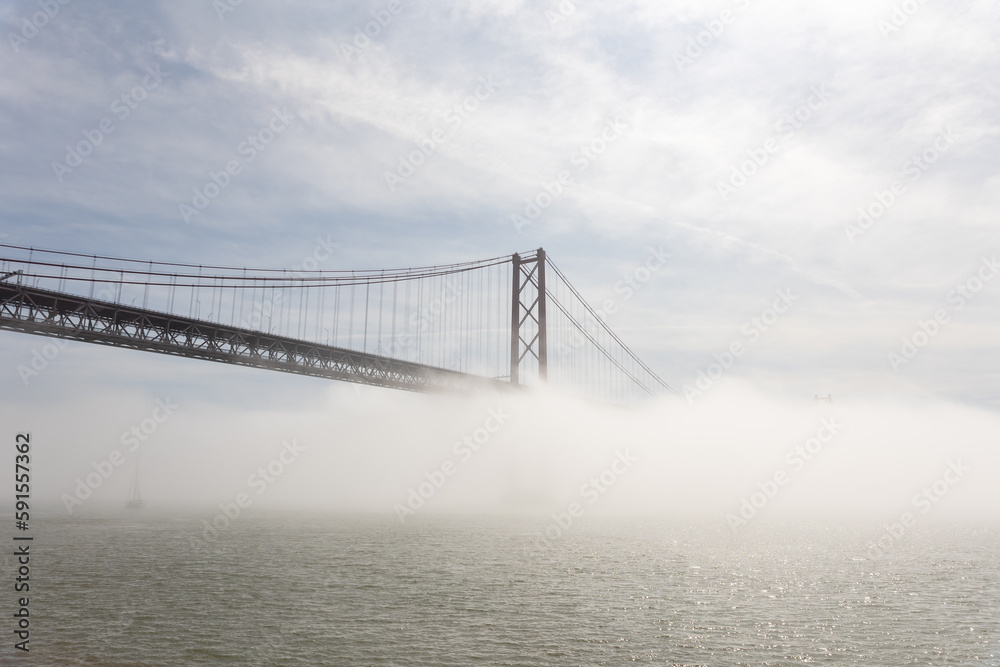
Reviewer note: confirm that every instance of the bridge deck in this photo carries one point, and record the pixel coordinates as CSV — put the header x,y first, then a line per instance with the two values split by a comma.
x,y
57,314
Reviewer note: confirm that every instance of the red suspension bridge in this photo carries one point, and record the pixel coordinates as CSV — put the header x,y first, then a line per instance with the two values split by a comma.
x,y
496,323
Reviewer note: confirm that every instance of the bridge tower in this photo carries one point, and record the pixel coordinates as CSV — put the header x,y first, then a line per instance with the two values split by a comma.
x,y
527,321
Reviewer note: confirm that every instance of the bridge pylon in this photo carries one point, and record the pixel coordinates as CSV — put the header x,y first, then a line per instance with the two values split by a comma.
x,y
527,321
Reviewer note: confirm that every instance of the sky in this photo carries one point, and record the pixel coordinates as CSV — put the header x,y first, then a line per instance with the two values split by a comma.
x,y
835,159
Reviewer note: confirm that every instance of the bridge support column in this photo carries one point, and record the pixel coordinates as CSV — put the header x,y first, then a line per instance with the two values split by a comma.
x,y
528,333
515,320
543,347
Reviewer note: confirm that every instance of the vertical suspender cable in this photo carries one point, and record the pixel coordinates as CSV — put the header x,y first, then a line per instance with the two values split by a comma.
x,y
407,308
305,314
350,328
392,336
336,316
420,320
322,313
170,298
145,294
364,340
378,338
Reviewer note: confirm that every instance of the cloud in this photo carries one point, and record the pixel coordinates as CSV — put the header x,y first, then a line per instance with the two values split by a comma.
x,y
560,83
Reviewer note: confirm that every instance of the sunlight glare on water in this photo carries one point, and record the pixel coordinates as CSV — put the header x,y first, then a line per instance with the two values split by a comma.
x,y
308,590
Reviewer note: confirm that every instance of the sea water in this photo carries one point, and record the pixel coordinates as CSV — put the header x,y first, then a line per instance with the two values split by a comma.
x,y
287,589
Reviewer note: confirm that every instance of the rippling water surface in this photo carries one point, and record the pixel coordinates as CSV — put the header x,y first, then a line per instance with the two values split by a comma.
x,y
283,590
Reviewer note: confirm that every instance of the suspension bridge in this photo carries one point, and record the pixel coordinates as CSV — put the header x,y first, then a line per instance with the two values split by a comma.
x,y
494,324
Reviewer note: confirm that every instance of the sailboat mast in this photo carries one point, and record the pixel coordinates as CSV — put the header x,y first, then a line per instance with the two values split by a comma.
x,y
135,498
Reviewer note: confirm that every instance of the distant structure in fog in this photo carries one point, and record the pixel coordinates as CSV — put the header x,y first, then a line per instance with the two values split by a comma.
x,y
135,501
